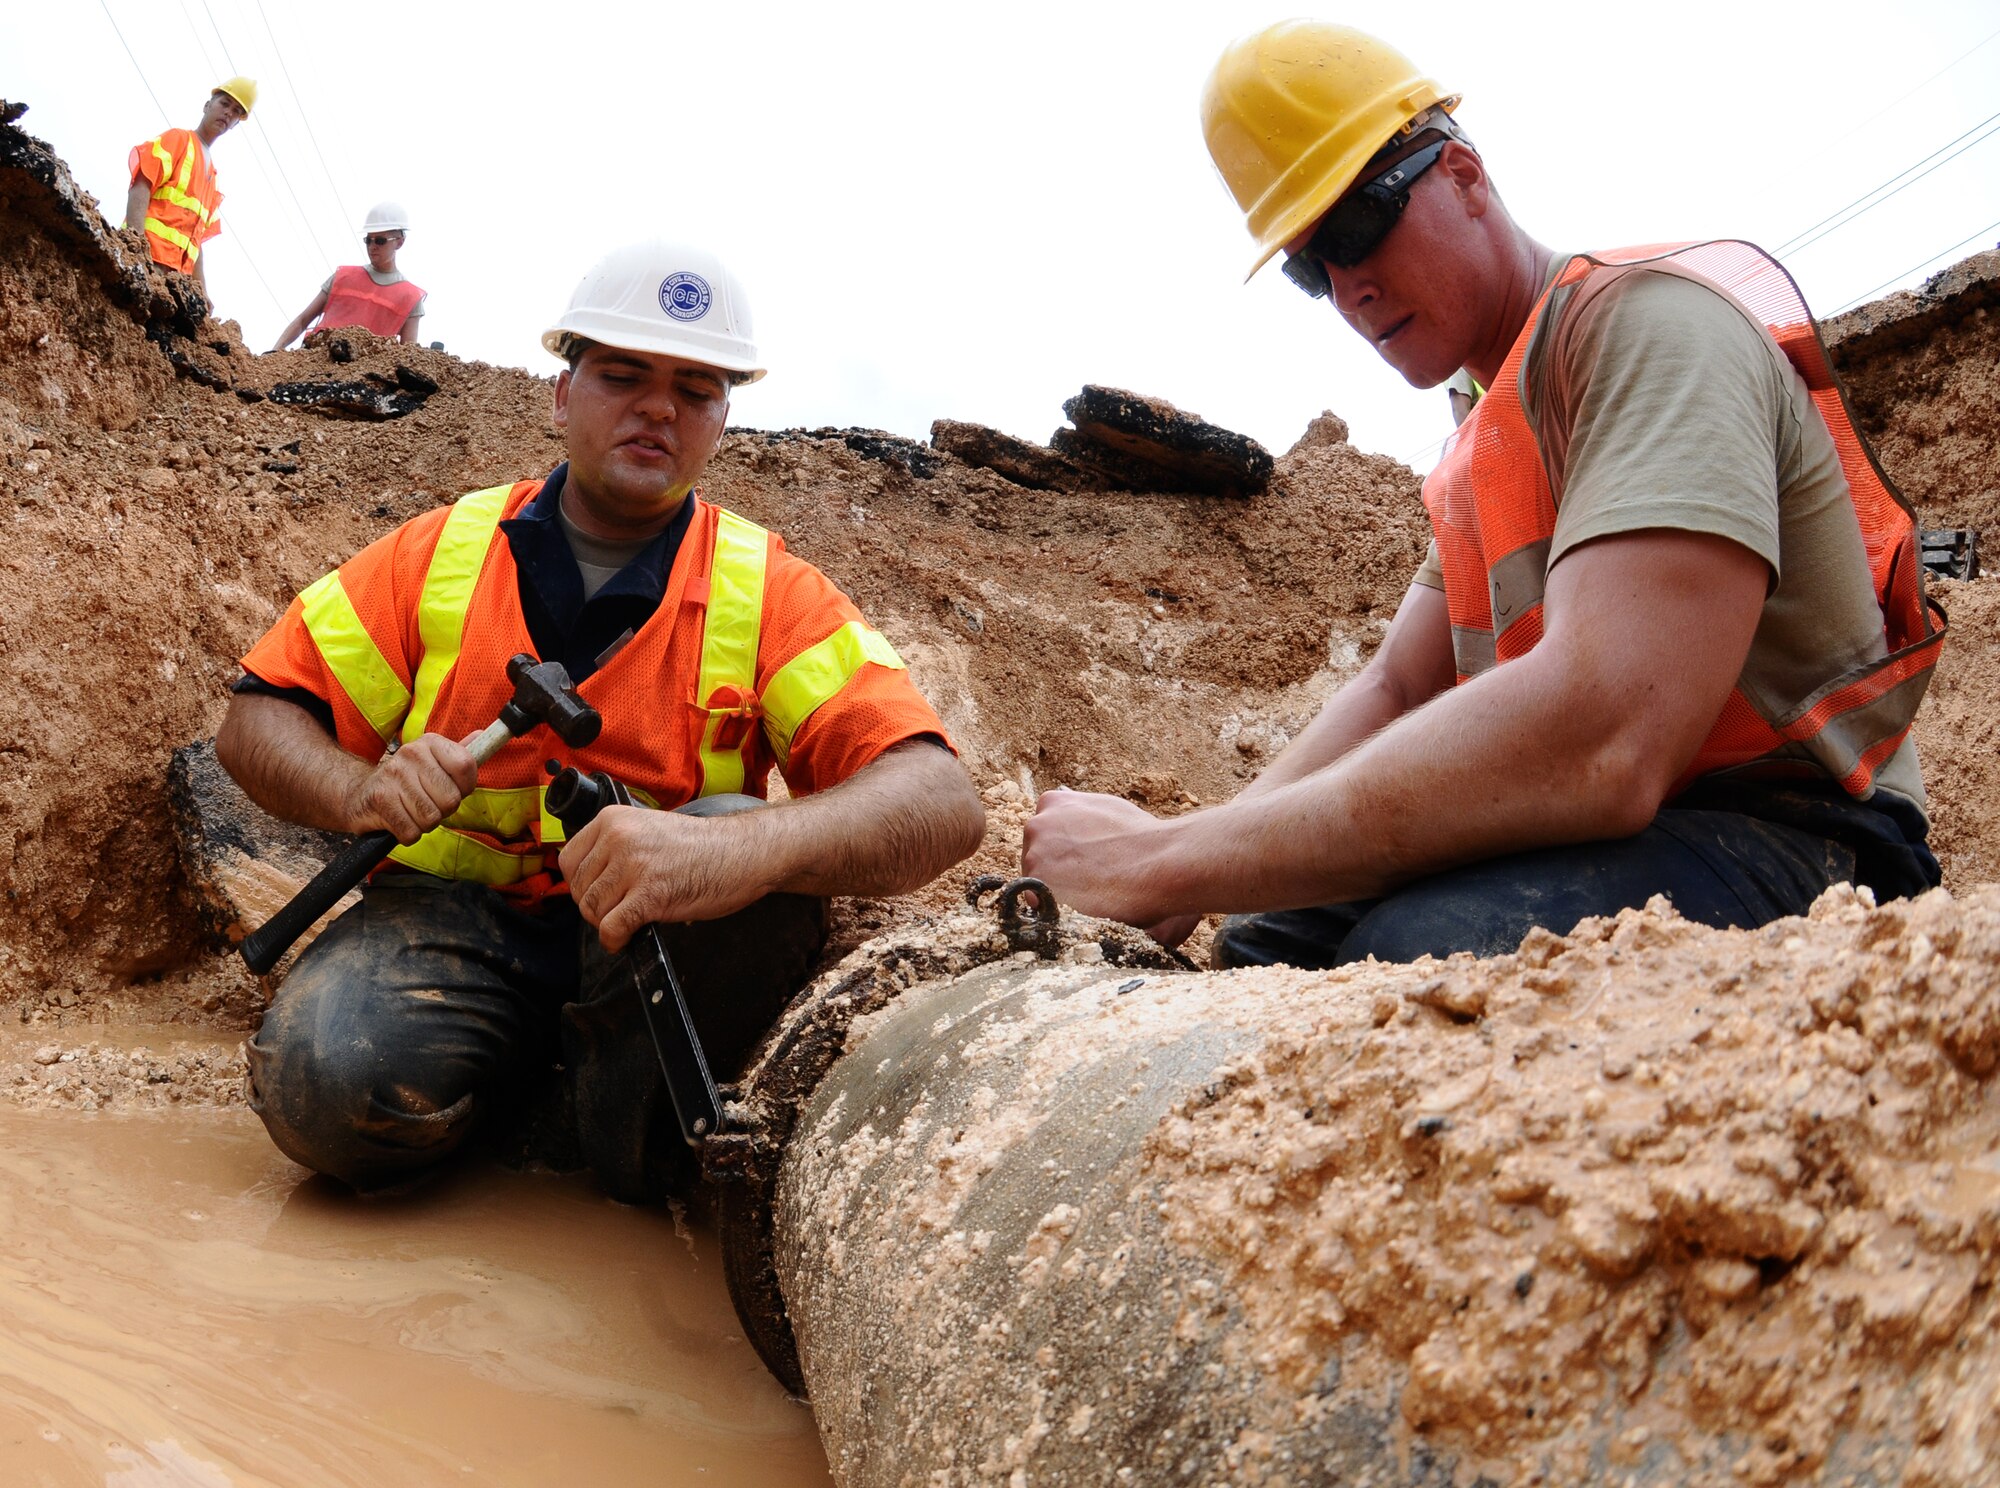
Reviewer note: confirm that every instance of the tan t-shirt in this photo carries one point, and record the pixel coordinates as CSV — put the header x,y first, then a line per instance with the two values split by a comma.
x,y
1658,402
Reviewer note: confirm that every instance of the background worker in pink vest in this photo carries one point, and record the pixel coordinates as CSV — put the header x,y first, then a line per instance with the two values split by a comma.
x,y
377,298
1671,633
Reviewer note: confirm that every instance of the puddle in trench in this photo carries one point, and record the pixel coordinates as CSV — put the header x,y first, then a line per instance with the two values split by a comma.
x,y
178,1309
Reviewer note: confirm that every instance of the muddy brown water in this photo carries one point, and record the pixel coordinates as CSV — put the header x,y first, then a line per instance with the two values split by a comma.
x,y
181,1308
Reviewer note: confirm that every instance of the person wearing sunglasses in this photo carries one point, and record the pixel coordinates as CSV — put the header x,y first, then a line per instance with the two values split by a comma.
x,y
1671,632
375,296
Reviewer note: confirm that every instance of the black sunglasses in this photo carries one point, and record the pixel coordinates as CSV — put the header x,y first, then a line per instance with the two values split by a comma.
x,y
1358,223
376,240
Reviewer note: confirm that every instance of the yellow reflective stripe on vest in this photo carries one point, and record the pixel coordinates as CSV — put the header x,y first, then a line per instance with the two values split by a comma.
x,y
498,812
450,854
448,583
729,637
181,199
175,236
351,654
446,851
815,675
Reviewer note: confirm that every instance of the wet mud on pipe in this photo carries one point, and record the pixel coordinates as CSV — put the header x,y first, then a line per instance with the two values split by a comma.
x,y
1647,1204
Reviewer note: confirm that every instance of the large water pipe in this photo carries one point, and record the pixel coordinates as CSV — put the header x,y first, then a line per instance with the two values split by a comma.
x,y
1648,1204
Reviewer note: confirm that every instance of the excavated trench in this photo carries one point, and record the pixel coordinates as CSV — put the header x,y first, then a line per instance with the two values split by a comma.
x,y
1571,1213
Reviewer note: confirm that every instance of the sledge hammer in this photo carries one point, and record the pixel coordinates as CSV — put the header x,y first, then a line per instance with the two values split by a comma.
x,y
543,693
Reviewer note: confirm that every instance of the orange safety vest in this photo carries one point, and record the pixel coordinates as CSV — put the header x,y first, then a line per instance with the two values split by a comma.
x,y
355,299
682,714
182,213
1494,518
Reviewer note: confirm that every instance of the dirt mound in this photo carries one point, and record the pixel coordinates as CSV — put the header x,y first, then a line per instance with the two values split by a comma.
x,y
161,521
1920,368
1627,1192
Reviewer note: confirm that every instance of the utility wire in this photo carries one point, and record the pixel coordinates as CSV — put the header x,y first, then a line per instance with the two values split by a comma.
x,y
298,102
300,228
164,115
1426,452
1904,98
218,36
1814,233
283,176
1985,231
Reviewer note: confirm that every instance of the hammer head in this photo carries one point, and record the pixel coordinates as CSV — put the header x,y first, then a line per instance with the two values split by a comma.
x,y
543,693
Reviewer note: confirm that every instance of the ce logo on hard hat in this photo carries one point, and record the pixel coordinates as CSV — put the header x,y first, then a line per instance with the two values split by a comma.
x,y
685,296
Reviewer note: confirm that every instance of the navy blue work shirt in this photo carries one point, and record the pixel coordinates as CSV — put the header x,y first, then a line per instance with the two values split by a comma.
x,y
562,624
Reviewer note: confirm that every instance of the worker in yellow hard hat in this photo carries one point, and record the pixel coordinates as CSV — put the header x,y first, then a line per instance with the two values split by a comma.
x,y
1671,632
173,197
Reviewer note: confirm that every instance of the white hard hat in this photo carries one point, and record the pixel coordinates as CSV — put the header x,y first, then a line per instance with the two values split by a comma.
x,y
386,217
666,298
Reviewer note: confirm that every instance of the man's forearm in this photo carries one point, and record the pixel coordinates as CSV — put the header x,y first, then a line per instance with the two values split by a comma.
x,y
138,197
891,828
1469,776
1579,740
287,763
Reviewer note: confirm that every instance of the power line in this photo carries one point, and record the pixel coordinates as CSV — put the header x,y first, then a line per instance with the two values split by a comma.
x,y
1812,234
283,176
298,226
305,217
195,31
1426,452
1904,98
219,41
298,102
164,115
1985,231
146,83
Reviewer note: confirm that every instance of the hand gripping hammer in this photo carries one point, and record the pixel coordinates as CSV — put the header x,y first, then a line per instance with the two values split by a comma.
x,y
543,693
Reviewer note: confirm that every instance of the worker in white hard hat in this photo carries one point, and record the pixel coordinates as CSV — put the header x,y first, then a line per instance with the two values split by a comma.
x,y
173,197
713,655
1671,634
375,296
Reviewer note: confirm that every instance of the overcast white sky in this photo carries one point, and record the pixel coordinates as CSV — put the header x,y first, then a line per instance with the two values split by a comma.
x,y
969,212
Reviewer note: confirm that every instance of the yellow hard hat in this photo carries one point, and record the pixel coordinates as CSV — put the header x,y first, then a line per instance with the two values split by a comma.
x,y
243,90
1293,113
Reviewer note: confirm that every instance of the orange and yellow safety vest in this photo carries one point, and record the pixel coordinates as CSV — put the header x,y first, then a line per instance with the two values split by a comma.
x,y
1494,518
689,709
182,213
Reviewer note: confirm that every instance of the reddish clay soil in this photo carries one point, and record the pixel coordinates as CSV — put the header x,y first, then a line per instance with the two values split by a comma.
x,y
1923,374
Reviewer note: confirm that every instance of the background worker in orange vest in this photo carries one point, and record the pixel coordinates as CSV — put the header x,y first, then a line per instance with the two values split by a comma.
x,y
173,197
713,655
377,298
1671,633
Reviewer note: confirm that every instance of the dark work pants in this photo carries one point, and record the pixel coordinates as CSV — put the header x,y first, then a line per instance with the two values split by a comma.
x,y
1719,868
431,1003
